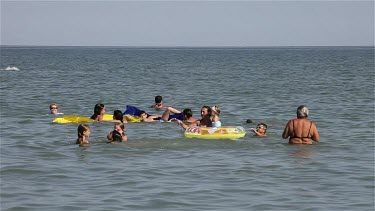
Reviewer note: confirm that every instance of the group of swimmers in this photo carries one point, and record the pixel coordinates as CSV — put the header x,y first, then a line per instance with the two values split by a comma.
x,y
299,130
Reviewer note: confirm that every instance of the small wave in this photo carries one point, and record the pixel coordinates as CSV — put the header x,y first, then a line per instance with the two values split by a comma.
x,y
11,68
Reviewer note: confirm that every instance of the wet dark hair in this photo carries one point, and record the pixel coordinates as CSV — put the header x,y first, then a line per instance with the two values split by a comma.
x,y
249,121
264,125
80,130
116,136
97,110
158,99
187,112
142,112
117,115
209,110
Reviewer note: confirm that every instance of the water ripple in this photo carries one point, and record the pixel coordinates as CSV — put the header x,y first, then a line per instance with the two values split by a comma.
x,y
160,169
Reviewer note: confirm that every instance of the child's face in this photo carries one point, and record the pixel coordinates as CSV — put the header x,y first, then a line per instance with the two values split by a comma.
x,y
261,129
118,128
87,133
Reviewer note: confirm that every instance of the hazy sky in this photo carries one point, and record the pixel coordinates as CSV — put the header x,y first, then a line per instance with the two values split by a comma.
x,y
187,23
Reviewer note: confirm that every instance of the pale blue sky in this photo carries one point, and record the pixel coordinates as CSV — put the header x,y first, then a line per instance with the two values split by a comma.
x,y
188,23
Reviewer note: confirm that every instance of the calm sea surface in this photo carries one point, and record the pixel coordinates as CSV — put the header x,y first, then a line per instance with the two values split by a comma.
x,y
160,169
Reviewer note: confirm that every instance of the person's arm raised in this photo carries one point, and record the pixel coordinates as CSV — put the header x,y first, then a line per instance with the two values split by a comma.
x,y
185,126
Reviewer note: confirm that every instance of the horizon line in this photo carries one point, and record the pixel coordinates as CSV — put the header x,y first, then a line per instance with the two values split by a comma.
x,y
141,46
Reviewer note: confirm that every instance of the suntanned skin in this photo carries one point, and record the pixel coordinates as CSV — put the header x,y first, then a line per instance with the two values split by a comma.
x,y
159,106
121,131
54,108
301,129
158,103
261,132
215,115
150,118
84,140
204,122
167,113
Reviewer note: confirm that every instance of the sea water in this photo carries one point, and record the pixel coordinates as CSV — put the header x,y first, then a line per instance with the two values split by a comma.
x,y
158,168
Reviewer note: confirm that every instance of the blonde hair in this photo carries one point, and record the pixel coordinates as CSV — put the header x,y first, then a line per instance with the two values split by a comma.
x,y
216,109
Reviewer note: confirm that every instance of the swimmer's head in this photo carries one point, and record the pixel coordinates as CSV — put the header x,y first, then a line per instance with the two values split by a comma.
x,y
206,111
82,130
117,115
116,136
53,108
158,99
119,126
216,109
142,114
188,113
118,131
263,126
302,111
98,109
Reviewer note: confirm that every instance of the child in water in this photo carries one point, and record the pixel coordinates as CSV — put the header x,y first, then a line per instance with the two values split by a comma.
x,y
260,130
83,134
117,134
216,116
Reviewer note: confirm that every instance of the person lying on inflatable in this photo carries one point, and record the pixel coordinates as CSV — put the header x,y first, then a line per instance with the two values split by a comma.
x,y
186,115
148,118
133,114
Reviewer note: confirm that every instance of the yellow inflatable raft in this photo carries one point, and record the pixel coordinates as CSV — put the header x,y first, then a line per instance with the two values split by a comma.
x,y
83,119
131,118
79,119
215,132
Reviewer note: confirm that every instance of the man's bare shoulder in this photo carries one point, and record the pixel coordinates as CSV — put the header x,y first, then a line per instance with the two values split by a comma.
x,y
192,120
158,106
